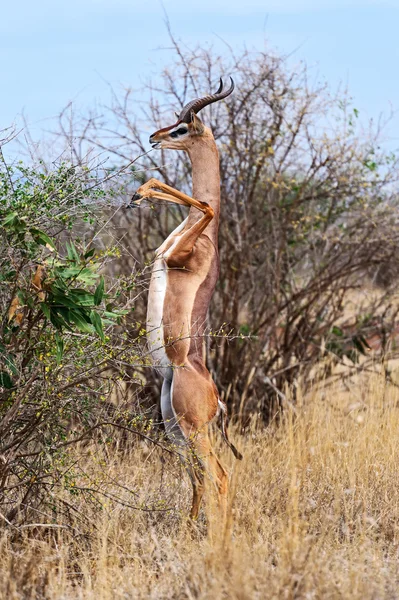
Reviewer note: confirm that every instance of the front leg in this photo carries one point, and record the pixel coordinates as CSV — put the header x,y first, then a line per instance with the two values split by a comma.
x,y
188,238
149,191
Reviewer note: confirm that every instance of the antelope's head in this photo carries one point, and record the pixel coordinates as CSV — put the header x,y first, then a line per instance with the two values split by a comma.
x,y
188,126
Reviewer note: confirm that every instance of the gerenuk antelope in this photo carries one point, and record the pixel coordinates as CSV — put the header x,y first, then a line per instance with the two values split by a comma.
x,y
184,275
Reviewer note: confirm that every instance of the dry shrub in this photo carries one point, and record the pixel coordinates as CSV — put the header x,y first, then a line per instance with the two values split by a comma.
x,y
308,214
315,516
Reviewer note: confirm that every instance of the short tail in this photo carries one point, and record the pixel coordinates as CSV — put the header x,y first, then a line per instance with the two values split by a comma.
x,y
223,424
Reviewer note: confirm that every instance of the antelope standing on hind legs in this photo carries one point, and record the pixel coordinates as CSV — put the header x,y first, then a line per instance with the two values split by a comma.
x,y
184,275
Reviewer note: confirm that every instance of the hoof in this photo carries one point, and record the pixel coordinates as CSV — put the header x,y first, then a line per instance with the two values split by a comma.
x,y
134,201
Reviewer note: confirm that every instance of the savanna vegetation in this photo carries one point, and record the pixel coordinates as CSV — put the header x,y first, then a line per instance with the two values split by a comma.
x,y
301,342
309,215
315,515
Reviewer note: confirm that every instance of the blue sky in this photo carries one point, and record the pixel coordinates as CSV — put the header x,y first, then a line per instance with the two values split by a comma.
x,y
52,52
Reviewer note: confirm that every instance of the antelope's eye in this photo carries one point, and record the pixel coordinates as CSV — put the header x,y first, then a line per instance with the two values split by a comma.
x,y
180,131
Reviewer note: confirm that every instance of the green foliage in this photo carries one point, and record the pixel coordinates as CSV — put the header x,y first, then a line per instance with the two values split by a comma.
x,y
64,297
57,324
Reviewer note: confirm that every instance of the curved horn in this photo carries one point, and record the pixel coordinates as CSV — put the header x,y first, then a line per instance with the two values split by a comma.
x,y
199,103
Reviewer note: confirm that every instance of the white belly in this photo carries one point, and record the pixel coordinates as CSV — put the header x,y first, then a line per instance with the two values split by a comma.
x,y
156,297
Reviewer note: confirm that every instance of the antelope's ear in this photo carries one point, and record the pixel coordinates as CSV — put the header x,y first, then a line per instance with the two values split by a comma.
x,y
196,123
177,114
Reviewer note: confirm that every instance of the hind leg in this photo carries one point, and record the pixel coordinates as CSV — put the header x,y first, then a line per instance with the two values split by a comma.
x,y
196,474
216,473
205,471
190,458
194,404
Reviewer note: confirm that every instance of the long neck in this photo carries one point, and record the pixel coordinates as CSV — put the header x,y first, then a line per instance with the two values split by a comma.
x,y
204,158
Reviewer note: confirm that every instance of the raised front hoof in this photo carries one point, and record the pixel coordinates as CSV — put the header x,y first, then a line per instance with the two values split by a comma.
x,y
135,201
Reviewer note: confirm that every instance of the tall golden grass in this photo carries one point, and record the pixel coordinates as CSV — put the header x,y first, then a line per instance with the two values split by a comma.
x,y
315,514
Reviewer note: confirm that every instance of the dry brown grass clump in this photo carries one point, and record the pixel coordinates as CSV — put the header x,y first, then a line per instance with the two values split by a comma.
x,y
316,515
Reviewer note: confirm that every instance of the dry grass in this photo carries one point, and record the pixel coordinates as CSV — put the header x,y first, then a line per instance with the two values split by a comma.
x,y
316,515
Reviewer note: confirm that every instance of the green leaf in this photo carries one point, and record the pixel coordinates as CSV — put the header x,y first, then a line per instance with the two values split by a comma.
x,y
97,323
87,276
337,331
8,275
80,322
72,253
5,380
90,253
81,297
9,361
370,165
57,321
60,317
83,274
45,310
69,272
42,238
59,347
9,219
99,293
111,315
63,312
60,299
